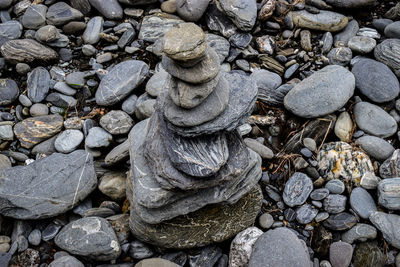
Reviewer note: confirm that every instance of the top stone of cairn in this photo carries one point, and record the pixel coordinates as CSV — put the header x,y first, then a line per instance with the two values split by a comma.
x,y
185,42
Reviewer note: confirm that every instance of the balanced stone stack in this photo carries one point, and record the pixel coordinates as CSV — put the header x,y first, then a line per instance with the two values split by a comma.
x,y
193,181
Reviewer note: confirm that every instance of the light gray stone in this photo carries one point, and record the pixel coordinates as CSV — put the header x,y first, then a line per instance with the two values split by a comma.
x,y
297,189
388,224
68,141
362,202
376,147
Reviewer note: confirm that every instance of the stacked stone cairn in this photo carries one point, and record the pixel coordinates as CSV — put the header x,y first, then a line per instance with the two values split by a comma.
x,y
193,181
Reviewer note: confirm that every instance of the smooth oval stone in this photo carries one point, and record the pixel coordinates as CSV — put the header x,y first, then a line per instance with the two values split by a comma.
x,y
97,239
34,17
93,29
61,13
360,232
8,91
120,81
376,147
116,122
47,34
380,24
110,9
292,251
393,30
322,93
39,109
340,253
362,44
306,214
26,51
97,138
157,82
323,21
334,203
351,3
340,222
68,141
362,202
388,193
389,225
374,120
297,189
340,56
191,10
319,194
375,80
154,27
202,72
38,84
208,110
388,52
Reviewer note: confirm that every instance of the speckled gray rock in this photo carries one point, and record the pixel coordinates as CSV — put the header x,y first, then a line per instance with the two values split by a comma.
x,y
374,120
306,214
110,9
38,84
68,141
360,232
98,137
387,53
375,80
91,237
324,92
47,34
362,202
8,91
390,168
388,224
388,193
34,16
323,21
191,10
66,261
34,191
155,26
61,13
116,122
243,13
340,56
10,30
242,246
93,29
120,81
393,30
297,189
362,44
335,203
279,247
376,147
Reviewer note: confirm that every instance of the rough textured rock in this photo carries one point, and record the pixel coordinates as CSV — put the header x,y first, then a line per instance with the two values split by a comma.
x,y
32,131
242,246
297,189
34,17
368,254
47,187
323,21
243,13
360,232
324,92
66,261
279,247
390,168
155,26
10,30
387,53
121,81
116,122
91,237
388,224
27,50
388,193
340,222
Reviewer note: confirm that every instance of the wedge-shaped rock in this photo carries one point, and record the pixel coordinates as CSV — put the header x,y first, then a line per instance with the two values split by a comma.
x,y
48,187
27,51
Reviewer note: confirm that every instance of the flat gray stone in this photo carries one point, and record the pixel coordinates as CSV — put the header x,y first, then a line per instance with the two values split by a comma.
x,y
10,30
61,13
388,193
342,38
219,44
94,27
34,17
334,203
340,253
323,21
68,141
340,222
38,84
306,213
91,237
116,122
297,189
362,44
34,191
393,30
243,13
155,26
157,83
66,261
340,56
262,150
360,232
374,120
120,81
351,3
322,93
362,202
97,138
268,83
47,34
110,9
375,147
388,224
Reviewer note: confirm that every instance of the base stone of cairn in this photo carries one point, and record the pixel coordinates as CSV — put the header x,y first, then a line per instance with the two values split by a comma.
x,y
193,181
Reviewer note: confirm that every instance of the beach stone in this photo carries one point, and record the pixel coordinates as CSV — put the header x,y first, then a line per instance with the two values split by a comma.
x,y
264,151
155,26
305,214
242,246
219,44
380,24
374,120
388,193
97,239
117,154
334,203
342,38
116,122
360,232
368,254
62,101
375,147
242,13
110,9
268,87
375,80
38,109
393,30
185,42
340,222
390,168
137,2
155,262
351,3
297,189
97,138
340,56
47,34
81,5
191,10
308,99
38,84
68,141
22,185
8,91
64,88
387,53
323,21
388,224
5,4
10,30
340,254
319,194
34,17
27,51
66,261
362,44
61,13
93,29
279,247
115,85
157,83
32,131
6,132
362,202
344,127
113,185
369,181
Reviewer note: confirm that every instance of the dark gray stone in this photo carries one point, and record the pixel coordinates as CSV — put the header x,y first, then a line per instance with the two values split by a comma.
x,y
34,17
393,30
362,44
360,232
340,222
243,13
297,189
292,251
76,79
375,147
61,13
38,84
5,3
47,34
362,202
91,237
334,203
335,186
351,3
157,82
81,5
191,10
97,138
387,53
319,194
120,81
390,168
375,80
388,193
388,224
8,91
68,141
380,24
10,30
268,83
34,191
324,92
373,120
219,22
62,101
